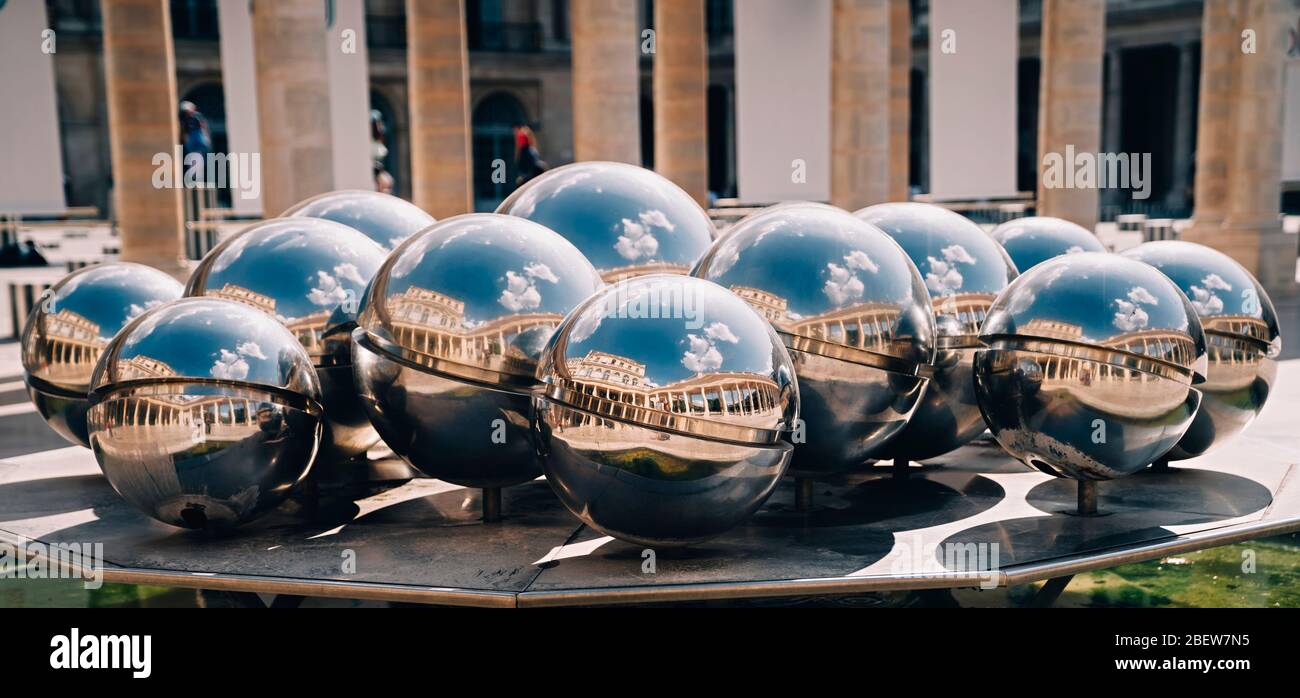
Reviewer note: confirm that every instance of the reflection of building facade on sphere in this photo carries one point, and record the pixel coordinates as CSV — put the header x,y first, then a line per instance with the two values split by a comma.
x,y
139,367
1175,347
72,346
1166,345
1109,384
1054,329
1234,362
172,420
613,276
968,309
603,383
1238,326
867,326
434,324
770,306
239,294
308,328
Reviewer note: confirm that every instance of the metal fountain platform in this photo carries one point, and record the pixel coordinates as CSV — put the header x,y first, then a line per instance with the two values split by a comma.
x,y
971,518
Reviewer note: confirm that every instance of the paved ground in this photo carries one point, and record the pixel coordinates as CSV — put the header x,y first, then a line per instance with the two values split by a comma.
x,y
425,534
23,435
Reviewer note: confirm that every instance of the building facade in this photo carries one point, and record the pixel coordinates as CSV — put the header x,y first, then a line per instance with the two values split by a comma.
x,y
520,72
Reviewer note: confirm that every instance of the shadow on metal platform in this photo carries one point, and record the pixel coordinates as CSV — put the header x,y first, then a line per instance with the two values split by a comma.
x,y
1138,509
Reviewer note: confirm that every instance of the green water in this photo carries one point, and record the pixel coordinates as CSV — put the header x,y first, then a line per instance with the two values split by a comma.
x,y
1217,577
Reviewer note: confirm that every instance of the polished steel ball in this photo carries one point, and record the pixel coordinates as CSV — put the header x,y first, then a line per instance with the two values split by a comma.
x,y
204,413
1241,335
964,271
1030,241
663,403
627,220
70,326
383,218
854,313
1090,366
449,338
309,274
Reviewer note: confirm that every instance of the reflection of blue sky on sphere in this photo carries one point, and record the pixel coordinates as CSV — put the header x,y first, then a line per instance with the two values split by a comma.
x,y
496,265
1099,296
113,293
951,252
815,257
381,217
677,327
1035,239
617,214
304,265
1214,282
208,338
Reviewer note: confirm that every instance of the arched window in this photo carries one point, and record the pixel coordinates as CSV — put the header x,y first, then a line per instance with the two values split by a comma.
x,y
493,122
210,99
389,160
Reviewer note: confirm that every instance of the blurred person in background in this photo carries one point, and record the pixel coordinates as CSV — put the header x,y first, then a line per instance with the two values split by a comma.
x,y
195,136
528,160
379,153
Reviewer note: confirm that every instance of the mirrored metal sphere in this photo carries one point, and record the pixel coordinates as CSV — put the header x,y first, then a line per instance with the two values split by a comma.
x,y
1241,334
1030,241
664,399
383,218
964,271
854,313
70,327
310,274
627,220
204,413
1090,365
449,338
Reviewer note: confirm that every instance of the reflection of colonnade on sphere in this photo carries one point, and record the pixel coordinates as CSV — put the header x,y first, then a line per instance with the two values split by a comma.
x,y
72,346
616,386
434,324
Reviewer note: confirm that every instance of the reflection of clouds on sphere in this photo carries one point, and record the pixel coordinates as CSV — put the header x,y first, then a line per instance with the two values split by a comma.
x,y
68,328
1035,239
309,273
1091,366
206,413
1241,332
625,219
381,217
448,340
656,433
852,309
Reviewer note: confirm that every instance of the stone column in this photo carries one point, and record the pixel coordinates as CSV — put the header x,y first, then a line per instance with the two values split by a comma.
x,y
1252,229
1184,137
293,102
606,93
1220,51
681,83
437,60
1074,33
900,102
140,85
860,91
